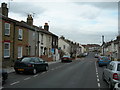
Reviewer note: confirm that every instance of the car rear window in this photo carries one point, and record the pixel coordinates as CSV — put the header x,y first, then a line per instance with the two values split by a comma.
x,y
26,60
118,67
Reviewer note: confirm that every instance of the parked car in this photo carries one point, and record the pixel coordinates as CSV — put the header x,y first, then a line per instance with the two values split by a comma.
x,y
103,61
30,64
4,75
66,58
111,73
117,86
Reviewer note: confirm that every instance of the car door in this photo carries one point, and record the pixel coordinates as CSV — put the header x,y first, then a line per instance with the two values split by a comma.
x,y
37,64
41,64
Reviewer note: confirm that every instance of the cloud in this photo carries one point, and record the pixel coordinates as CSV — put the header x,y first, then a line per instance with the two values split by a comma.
x,y
24,8
81,22
101,4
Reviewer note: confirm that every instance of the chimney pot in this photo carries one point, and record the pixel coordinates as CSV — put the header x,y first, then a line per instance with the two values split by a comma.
x,y
46,26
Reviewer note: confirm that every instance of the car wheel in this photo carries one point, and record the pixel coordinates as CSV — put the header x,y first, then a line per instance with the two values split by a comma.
x,y
46,68
34,71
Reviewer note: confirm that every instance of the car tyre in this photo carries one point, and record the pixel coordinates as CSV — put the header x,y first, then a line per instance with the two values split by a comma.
x,y
34,71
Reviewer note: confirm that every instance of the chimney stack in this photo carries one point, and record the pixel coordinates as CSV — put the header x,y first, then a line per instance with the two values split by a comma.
x,y
46,26
30,20
4,9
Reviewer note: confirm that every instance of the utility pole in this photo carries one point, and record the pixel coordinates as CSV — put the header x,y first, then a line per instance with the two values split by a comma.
x,y
103,43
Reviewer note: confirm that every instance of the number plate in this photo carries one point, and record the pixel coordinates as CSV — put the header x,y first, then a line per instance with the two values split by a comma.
x,y
20,69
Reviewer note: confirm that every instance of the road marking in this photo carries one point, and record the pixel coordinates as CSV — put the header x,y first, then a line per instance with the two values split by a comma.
x,y
27,78
98,84
97,73
15,83
98,80
52,69
97,76
43,72
35,75
1,87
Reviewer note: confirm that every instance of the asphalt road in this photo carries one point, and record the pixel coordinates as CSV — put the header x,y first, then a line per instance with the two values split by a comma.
x,y
81,73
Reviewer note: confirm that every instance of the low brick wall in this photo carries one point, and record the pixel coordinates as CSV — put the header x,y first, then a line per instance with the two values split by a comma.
x,y
46,58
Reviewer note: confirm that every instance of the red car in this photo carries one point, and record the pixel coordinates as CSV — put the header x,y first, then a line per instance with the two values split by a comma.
x,y
66,59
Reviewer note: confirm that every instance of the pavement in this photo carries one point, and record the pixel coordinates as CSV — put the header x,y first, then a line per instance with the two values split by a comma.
x,y
11,69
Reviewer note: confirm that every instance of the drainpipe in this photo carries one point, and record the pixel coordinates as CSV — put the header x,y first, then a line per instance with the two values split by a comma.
x,y
13,53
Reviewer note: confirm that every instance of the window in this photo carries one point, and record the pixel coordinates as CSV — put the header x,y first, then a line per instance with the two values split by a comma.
x,y
63,46
7,29
6,50
118,67
19,52
20,34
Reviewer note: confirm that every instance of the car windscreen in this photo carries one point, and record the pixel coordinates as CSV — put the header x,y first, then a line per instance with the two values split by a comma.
x,y
27,60
105,58
118,67
67,56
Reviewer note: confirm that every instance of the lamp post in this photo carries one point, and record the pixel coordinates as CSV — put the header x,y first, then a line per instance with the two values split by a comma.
x,y
103,43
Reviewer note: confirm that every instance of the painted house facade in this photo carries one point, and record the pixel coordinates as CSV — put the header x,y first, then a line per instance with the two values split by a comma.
x,y
111,49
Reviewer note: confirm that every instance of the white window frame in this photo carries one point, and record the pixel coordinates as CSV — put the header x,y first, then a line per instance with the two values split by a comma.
x,y
7,28
20,47
20,32
7,49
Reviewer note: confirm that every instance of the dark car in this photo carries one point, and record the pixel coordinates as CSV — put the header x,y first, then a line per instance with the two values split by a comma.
x,y
66,58
103,61
4,74
30,64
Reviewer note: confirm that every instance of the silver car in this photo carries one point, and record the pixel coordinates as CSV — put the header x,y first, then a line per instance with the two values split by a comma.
x,y
117,86
111,73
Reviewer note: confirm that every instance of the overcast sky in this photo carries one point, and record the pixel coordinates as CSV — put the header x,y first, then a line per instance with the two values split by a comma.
x,y
82,22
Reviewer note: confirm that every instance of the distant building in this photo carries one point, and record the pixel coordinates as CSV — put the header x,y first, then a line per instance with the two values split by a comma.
x,y
69,48
111,49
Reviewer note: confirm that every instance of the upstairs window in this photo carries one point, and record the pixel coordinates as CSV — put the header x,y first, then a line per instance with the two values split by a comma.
x,y
20,34
6,50
63,46
7,29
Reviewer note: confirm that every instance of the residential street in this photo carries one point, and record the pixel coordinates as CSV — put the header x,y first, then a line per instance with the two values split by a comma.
x,y
81,73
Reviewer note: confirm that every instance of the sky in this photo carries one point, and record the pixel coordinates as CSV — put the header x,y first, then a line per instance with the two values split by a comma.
x,y
81,21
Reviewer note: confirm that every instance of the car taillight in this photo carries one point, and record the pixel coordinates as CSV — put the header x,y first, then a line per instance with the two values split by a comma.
x,y
115,76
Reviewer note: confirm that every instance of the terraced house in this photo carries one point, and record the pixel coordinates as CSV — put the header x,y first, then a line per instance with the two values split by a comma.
x,y
14,38
20,38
